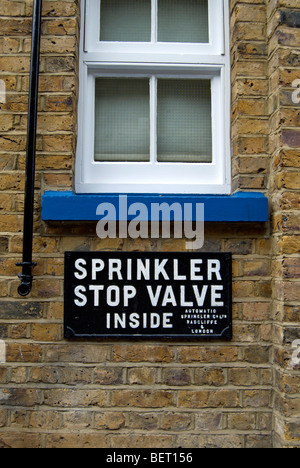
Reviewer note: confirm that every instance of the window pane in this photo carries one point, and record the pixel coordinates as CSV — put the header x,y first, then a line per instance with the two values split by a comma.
x,y
125,20
122,120
184,121
183,21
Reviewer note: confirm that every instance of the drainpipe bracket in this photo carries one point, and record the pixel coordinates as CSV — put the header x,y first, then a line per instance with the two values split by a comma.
x,y
26,279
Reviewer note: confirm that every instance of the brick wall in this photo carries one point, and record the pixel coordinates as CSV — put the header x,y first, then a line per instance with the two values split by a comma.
x,y
284,69
55,393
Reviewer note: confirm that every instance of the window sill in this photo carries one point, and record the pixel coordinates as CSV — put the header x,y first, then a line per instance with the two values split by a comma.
x,y
240,207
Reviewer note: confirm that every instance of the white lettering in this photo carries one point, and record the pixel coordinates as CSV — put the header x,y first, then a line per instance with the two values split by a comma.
x,y
129,293
79,266
113,296
154,298
200,298
214,266
129,269
120,320
176,274
79,290
215,295
160,269
169,297
154,320
166,320
135,320
183,302
196,269
143,270
127,459
96,290
115,266
97,265
108,321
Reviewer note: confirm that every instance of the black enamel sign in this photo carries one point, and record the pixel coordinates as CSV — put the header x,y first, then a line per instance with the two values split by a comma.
x,y
144,295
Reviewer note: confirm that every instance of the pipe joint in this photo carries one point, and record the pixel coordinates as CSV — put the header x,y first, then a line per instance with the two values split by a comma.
x,y
26,278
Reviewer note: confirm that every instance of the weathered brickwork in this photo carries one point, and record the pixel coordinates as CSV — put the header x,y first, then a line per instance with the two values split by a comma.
x,y
250,88
284,69
241,394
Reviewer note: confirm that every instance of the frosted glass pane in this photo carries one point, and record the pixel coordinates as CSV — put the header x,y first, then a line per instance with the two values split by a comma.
x,y
183,21
125,20
122,119
184,121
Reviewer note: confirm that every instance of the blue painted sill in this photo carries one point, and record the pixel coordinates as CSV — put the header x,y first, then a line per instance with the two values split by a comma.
x,y
240,207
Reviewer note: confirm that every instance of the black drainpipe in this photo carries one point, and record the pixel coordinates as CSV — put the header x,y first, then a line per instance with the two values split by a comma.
x,y
27,263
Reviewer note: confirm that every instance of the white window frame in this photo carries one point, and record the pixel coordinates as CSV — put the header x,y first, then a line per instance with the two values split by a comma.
x,y
154,60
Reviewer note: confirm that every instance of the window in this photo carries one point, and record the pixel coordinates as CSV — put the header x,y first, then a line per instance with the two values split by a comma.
x,y
154,105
